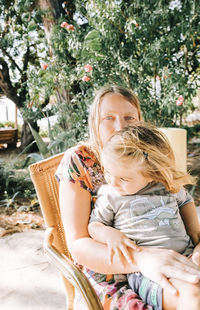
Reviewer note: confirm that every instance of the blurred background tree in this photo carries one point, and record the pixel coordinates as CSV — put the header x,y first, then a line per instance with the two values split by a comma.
x,y
21,36
151,47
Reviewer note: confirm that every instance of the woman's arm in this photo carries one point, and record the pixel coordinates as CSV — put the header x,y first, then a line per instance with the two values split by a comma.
x,y
75,211
190,218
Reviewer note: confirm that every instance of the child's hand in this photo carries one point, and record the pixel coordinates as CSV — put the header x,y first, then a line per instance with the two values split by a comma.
x,y
118,243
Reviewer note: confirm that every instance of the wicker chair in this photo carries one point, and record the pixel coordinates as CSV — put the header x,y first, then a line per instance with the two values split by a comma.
x,y
46,186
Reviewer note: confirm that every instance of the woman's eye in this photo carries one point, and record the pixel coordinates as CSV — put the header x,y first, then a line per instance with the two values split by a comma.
x,y
109,117
129,118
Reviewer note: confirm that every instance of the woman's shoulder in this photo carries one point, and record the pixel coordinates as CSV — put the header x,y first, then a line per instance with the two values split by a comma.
x,y
80,164
80,149
85,154
80,152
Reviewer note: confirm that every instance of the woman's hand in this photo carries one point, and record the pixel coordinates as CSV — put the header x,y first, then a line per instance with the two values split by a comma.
x,y
196,255
159,265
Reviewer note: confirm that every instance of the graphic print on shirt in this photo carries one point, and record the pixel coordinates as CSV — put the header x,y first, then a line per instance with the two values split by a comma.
x,y
154,213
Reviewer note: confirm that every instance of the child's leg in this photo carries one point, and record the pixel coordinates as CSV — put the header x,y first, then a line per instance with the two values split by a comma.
x,y
149,291
152,294
187,298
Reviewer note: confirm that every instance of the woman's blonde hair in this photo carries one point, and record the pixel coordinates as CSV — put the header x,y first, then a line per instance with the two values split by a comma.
x,y
94,113
148,145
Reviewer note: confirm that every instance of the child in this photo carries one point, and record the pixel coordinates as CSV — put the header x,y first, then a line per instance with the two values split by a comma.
x,y
144,201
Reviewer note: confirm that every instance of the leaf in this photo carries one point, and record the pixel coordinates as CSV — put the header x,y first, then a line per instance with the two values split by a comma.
x,y
43,149
32,26
50,134
25,150
35,156
92,35
92,45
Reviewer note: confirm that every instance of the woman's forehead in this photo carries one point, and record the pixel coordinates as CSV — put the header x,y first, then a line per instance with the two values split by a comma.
x,y
115,102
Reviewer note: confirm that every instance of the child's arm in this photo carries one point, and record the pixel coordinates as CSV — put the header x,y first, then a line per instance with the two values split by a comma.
x,y
190,218
116,240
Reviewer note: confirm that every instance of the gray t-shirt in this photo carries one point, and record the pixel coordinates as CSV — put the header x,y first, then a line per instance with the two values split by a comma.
x,y
150,217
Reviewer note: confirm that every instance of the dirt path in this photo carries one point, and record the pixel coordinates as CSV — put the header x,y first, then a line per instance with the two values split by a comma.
x,y
20,221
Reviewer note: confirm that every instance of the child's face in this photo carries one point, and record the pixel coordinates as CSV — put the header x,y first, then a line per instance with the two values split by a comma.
x,y
126,178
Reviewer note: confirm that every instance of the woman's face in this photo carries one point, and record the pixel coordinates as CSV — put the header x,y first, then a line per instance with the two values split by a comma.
x,y
116,112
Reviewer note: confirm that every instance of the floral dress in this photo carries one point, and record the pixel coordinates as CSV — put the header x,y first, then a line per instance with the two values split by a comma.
x,y
80,165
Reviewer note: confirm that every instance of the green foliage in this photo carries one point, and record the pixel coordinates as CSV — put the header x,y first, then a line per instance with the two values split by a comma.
x,y
15,182
92,47
192,131
40,143
146,46
7,124
151,47
23,47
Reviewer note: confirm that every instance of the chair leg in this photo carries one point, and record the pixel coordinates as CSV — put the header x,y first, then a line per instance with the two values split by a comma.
x,y
69,293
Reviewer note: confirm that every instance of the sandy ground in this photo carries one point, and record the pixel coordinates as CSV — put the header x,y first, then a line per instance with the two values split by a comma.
x,y
28,281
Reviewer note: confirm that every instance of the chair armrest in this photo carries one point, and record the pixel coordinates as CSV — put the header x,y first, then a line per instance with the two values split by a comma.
x,y
70,271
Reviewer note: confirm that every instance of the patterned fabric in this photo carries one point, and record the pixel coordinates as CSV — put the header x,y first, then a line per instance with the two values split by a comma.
x,y
80,165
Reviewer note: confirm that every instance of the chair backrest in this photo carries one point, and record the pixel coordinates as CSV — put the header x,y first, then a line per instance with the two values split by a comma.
x,y
46,186
178,140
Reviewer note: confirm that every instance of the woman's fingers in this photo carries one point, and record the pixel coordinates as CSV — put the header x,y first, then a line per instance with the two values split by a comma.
x,y
159,265
196,258
166,284
189,264
181,272
186,265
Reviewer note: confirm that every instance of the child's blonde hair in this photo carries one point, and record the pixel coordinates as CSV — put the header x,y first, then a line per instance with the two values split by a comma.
x,y
94,114
148,145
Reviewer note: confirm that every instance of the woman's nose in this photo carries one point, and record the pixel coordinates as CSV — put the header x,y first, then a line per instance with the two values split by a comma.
x,y
119,124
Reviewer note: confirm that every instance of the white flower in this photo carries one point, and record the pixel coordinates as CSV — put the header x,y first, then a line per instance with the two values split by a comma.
x,y
175,4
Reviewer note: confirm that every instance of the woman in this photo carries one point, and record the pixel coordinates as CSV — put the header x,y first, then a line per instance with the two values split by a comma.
x,y
80,177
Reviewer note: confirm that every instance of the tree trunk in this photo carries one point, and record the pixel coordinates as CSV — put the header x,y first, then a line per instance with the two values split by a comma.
x,y
53,10
11,92
27,137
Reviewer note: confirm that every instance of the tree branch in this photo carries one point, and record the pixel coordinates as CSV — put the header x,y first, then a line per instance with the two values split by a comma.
x,y
11,59
25,64
6,85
